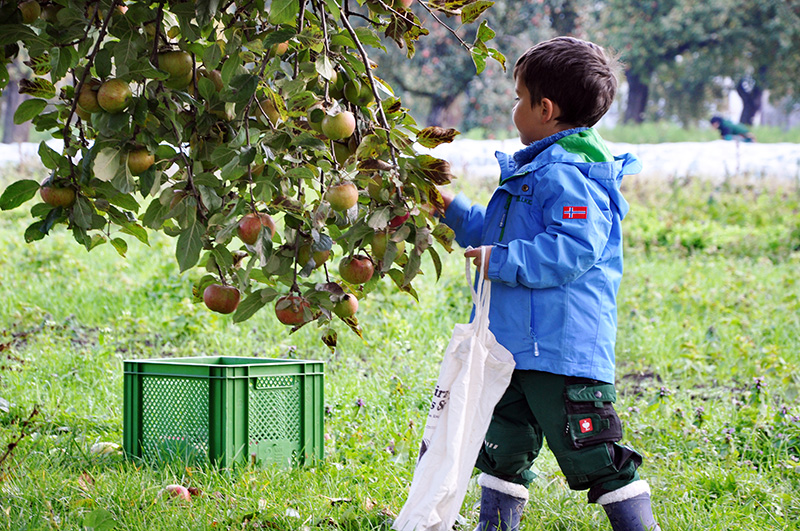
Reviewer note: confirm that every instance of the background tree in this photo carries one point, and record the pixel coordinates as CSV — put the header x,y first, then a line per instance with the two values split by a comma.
x,y
255,133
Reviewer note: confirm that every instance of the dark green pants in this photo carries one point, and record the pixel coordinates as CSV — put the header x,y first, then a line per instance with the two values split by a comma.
x,y
577,418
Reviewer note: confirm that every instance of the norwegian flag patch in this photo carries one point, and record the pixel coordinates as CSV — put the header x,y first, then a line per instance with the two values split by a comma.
x,y
574,212
586,425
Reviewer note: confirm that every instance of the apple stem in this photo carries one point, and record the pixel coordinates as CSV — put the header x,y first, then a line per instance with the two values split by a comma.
x,y
221,276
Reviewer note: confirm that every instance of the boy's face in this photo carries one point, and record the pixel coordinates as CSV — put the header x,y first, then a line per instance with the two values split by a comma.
x,y
527,118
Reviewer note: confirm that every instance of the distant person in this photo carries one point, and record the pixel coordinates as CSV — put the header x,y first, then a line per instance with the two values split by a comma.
x,y
730,130
552,230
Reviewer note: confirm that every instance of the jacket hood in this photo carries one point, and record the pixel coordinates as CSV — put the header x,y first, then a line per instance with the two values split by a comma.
x,y
582,148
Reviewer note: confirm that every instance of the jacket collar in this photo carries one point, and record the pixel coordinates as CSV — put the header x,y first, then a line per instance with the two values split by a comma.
x,y
510,164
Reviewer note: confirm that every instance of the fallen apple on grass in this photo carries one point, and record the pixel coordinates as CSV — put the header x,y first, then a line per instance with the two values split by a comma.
x,y
221,299
177,491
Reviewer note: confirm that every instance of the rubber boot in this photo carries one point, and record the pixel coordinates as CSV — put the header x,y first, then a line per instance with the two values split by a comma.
x,y
501,504
628,508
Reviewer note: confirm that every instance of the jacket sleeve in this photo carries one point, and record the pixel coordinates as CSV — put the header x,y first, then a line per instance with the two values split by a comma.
x,y
465,220
570,243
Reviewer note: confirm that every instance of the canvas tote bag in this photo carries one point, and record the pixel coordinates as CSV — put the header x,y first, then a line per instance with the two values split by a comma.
x,y
473,376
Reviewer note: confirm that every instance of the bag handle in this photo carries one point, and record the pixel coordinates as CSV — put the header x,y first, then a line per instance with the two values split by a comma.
x,y
482,297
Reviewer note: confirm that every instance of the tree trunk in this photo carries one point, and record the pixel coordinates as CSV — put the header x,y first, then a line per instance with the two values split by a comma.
x,y
441,112
638,92
751,94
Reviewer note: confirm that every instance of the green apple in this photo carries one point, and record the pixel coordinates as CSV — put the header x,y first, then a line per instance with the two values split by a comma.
x,y
339,126
114,96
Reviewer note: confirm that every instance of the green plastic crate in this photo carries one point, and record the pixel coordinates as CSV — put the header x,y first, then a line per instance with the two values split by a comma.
x,y
227,410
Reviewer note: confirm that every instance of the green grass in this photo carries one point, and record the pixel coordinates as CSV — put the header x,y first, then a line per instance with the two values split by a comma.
x,y
659,132
708,375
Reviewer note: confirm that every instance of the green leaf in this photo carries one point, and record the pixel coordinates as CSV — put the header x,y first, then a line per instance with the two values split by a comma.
x,y
284,12
212,56
120,245
48,156
106,164
82,213
28,110
190,242
99,520
249,306
471,12
206,9
479,58
18,193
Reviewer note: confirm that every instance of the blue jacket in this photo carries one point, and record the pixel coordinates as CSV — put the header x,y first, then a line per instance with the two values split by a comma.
x,y
556,265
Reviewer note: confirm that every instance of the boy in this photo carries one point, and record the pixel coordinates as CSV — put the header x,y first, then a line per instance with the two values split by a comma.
x,y
552,229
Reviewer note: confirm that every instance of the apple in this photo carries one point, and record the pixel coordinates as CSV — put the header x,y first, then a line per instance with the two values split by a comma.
x,y
379,243
339,126
178,491
215,76
342,196
289,309
87,98
280,48
398,220
405,3
50,13
55,195
140,160
266,112
304,255
30,11
315,116
358,93
347,307
250,227
356,269
180,67
221,299
114,95
83,115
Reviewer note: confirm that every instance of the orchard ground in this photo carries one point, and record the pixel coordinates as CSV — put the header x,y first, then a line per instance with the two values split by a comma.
x,y
708,372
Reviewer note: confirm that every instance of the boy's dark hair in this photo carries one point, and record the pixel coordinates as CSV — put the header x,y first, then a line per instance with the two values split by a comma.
x,y
577,75
716,120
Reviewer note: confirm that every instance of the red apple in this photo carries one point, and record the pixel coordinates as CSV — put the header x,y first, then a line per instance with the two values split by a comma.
x,y
356,269
250,227
55,195
114,95
342,196
347,307
289,309
398,220
178,491
339,126
140,160
221,299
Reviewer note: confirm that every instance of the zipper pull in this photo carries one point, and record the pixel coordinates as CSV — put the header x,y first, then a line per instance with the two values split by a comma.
x,y
536,349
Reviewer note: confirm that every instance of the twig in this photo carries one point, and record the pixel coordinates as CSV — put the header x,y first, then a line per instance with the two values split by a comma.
x,y
90,61
14,444
451,30
373,85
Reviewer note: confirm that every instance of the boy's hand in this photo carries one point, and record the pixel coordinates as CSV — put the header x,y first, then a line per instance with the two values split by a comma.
x,y
475,254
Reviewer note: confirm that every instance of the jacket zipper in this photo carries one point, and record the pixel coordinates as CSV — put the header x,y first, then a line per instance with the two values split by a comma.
x,y
504,218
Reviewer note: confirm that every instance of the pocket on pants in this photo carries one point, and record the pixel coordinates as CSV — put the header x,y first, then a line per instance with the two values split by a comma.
x,y
591,418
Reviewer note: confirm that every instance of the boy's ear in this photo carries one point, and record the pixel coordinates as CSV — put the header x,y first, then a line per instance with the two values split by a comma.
x,y
550,110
